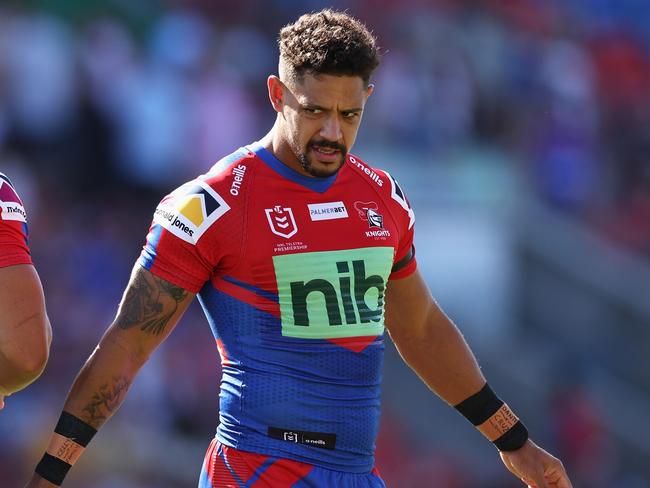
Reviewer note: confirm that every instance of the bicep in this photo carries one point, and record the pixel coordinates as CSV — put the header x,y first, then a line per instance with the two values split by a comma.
x,y
150,309
23,319
409,305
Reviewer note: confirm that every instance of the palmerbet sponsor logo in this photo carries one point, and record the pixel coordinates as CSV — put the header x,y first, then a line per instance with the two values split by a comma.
x,y
333,294
327,211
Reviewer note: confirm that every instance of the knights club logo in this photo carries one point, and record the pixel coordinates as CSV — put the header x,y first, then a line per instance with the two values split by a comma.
x,y
281,221
368,211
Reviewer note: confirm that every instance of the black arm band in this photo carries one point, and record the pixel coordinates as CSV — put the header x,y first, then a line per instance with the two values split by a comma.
x,y
481,406
74,428
52,469
513,439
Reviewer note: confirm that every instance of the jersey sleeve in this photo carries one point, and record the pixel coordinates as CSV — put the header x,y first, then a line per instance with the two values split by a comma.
x,y
183,245
404,263
14,248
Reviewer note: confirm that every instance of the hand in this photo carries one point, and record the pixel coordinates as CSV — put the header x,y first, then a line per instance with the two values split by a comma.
x,y
38,482
536,467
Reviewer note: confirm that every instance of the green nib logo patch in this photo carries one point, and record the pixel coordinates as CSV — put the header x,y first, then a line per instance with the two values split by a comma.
x,y
326,295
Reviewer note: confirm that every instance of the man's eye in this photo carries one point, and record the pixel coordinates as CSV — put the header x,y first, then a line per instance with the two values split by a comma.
x,y
350,115
314,111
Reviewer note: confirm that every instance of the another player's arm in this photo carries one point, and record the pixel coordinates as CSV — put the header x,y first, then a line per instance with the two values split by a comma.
x,y
434,348
25,332
149,311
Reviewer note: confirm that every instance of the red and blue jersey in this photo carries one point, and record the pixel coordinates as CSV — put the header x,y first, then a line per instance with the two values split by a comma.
x,y
14,248
291,273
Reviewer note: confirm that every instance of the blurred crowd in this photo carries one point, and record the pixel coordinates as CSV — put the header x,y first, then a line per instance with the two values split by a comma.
x,y
106,106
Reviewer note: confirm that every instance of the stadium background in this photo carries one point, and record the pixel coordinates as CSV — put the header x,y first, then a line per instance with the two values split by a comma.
x,y
519,129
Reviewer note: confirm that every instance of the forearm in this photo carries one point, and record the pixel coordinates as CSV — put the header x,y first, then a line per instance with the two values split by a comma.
x,y
96,394
148,313
434,347
101,386
436,350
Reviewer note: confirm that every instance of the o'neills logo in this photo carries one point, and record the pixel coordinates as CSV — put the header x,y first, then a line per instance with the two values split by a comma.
x,y
373,176
238,172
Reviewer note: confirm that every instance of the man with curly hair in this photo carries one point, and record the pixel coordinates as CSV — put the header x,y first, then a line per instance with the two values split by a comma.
x,y
301,254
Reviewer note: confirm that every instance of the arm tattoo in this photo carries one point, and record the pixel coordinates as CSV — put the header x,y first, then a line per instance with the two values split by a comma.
x,y
105,401
150,303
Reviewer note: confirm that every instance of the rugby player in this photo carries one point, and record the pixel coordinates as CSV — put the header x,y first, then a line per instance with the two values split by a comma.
x,y
300,254
25,332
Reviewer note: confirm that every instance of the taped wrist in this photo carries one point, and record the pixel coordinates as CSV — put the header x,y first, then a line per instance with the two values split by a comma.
x,y
494,419
70,438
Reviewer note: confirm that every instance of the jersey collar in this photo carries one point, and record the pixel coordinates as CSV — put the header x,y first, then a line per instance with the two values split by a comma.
x,y
319,185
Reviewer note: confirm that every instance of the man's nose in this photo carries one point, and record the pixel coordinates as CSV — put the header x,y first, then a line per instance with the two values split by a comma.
x,y
331,129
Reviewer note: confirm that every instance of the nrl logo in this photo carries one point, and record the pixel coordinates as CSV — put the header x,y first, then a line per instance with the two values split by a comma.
x,y
282,221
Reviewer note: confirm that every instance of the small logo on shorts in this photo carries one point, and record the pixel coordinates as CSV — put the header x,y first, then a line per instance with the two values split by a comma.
x,y
315,439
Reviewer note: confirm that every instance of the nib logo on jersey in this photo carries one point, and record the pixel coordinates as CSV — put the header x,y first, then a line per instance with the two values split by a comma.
x,y
333,294
367,211
11,208
189,211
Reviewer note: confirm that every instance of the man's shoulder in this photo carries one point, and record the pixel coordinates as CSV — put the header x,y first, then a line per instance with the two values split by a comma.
x,y
374,176
384,184
5,181
226,176
191,209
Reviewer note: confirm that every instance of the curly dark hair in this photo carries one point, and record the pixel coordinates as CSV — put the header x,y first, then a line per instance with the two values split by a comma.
x,y
329,42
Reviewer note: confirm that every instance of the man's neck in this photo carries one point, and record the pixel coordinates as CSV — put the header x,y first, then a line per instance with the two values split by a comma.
x,y
276,145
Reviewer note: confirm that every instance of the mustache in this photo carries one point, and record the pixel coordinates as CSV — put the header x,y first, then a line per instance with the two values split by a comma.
x,y
328,145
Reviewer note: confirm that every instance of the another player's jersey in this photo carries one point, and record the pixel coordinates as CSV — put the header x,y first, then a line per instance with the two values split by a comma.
x,y
13,227
291,272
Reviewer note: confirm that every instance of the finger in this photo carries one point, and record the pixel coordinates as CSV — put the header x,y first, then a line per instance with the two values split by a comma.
x,y
564,482
558,477
538,481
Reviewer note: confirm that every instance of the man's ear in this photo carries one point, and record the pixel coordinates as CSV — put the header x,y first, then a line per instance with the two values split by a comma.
x,y
276,92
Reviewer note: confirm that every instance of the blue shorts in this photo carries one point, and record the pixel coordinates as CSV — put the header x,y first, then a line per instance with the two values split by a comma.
x,y
226,467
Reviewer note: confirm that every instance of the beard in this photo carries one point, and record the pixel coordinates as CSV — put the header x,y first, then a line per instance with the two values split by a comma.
x,y
320,170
